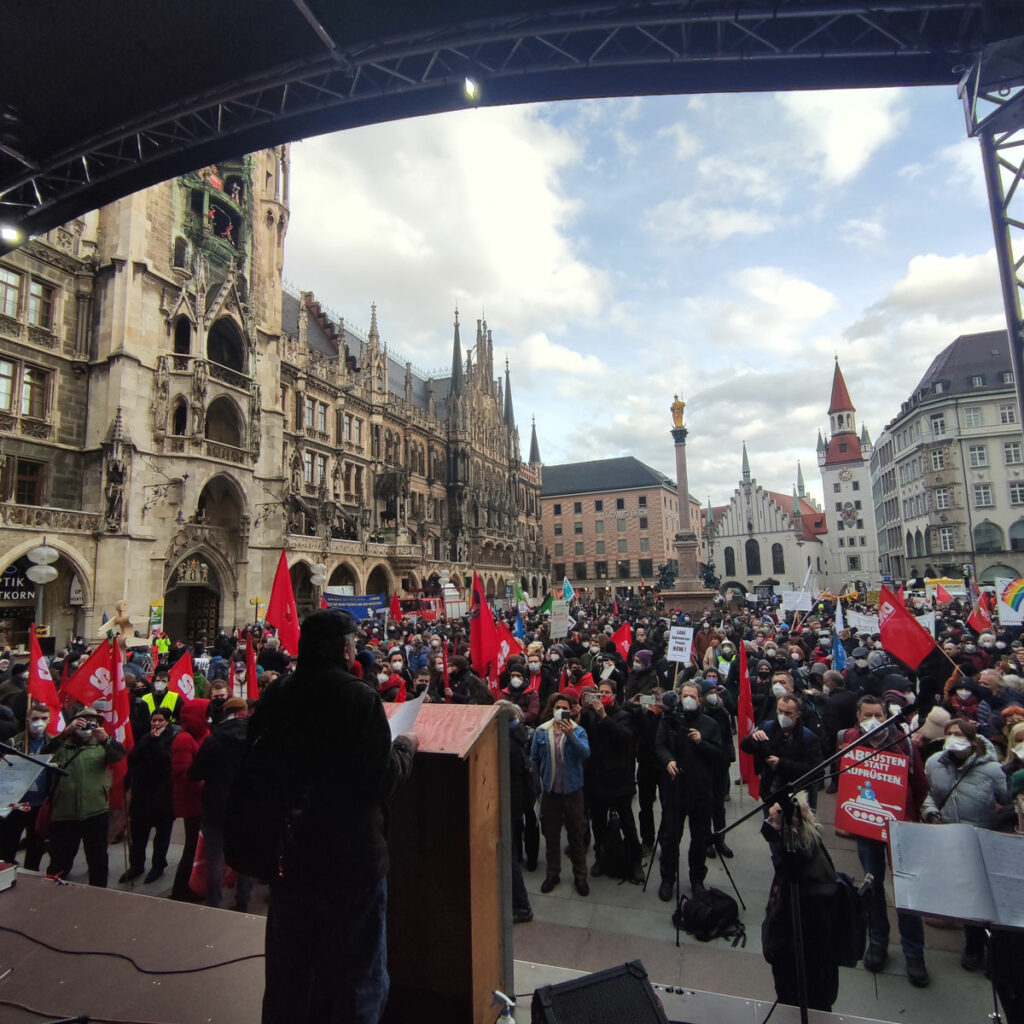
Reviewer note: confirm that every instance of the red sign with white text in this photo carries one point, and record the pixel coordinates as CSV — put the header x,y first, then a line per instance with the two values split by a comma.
x,y
872,793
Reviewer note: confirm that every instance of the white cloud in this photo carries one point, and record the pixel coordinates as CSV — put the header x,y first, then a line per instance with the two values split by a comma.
x,y
862,234
676,220
845,127
686,143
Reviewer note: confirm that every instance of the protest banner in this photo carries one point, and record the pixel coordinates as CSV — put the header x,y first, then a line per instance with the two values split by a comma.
x,y
680,644
872,794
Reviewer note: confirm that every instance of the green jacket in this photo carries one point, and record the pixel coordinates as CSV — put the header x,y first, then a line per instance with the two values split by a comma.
x,y
83,792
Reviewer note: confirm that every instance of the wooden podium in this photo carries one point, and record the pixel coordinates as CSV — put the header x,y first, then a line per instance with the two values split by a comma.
x,y
450,882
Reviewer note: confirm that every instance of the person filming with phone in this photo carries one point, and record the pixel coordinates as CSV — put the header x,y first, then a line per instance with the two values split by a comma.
x,y
559,750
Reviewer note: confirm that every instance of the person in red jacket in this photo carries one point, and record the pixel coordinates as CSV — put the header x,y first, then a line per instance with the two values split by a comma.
x,y
188,795
872,853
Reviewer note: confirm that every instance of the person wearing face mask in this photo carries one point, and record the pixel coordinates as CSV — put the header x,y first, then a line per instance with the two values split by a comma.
x,y
22,819
79,799
873,854
527,700
962,694
783,749
838,713
162,697
540,675
609,773
643,679
591,653
994,698
718,707
396,663
152,802
218,698
965,783
689,748
391,685
188,795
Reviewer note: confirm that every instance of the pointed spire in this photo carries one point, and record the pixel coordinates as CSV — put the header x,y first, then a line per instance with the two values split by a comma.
x,y
711,513
796,505
840,396
374,335
800,489
746,465
456,359
821,442
510,419
865,437
534,447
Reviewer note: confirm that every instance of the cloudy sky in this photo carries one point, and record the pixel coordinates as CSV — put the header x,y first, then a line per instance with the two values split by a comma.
x,y
725,247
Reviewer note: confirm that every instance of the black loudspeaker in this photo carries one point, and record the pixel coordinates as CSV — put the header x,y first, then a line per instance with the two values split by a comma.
x,y
619,995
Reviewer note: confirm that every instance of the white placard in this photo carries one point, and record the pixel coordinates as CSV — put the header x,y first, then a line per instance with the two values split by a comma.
x,y
559,619
797,601
866,625
16,776
1008,615
680,644
928,621
404,717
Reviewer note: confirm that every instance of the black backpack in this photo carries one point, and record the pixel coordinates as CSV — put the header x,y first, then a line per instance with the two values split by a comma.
x,y
711,914
849,921
611,854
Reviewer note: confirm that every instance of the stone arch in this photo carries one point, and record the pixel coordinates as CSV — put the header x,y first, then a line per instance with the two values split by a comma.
x,y
179,416
221,501
414,583
182,336
729,556
219,566
988,536
381,578
533,586
344,574
301,574
994,572
456,581
224,422
226,345
74,558
911,549
490,588
922,543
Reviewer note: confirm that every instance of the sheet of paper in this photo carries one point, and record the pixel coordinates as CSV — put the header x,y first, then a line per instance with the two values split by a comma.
x,y
16,775
1004,862
404,717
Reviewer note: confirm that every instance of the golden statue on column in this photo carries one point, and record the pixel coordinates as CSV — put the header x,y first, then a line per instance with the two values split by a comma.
x,y
677,408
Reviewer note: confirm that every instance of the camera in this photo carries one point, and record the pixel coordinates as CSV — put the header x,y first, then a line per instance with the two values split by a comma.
x,y
561,715
647,700
90,724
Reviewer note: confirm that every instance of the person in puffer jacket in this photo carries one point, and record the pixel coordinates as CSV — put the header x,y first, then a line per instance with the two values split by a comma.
x,y
188,795
965,782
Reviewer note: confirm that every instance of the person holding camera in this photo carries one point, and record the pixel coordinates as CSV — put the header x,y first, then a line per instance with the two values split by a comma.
x,y
559,750
690,750
79,799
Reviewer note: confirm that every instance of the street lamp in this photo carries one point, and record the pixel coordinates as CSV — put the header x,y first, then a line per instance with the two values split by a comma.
x,y
319,577
41,572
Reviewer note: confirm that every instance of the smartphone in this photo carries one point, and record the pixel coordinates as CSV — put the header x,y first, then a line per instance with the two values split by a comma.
x,y
647,699
561,715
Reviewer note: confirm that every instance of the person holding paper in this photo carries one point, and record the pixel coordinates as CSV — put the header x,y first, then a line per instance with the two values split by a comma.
x,y
22,818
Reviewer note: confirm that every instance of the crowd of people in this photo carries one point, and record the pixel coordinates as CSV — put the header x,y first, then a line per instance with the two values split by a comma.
x,y
598,729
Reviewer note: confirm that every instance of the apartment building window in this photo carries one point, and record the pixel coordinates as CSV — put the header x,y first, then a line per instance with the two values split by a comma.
x,y
599,547
310,412
599,526
579,571
622,546
577,528
643,522
620,504
1016,493
578,548
35,384
622,569
40,304
646,568
642,501
346,427
983,496
977,455
856,485
600,571
598,505
577,507
558,570
938,421
645,543
10,292
29,477
1012,452
946,540
357,433
836,488
977,381
1006,377
1007,413
853,563
620,525
972,417
942,497
939,459
321,418
558,529
559,550
321,469
557,510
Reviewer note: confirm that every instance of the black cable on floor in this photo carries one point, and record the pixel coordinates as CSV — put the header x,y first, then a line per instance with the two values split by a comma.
x,y
81,1019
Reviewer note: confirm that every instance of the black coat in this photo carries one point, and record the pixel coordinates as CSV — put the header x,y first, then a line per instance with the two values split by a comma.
x,y
838,712
216,763
610,771
149,768
698,763
522,796
797,749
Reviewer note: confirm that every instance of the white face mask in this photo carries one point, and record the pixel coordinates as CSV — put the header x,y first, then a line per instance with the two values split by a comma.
x,y
553,656
786,721
894,709
534,666
516,682
435,643
160,687
689,703
38,726
638,666
869,725
712,699
778,689
958,744
607,671
595,650
383,677
963,694
396,666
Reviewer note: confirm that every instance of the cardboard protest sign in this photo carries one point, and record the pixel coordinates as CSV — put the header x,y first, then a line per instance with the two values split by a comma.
x,y
680,644
872,794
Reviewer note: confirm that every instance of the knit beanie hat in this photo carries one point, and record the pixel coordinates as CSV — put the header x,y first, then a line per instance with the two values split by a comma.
x,y
934,727
644,657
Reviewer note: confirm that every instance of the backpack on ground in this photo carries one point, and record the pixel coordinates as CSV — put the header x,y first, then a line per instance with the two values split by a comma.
x,y
611,854
711,914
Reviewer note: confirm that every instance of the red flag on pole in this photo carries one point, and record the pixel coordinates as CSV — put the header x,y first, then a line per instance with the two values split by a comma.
x,y
395,608
942,595
899,595
980,619
40,684
323,602
623,639
483,639
252,690
282,612
181,678
745,725
93,680
902,635
444,669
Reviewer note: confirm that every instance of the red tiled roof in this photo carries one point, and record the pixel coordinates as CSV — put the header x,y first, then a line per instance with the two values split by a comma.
x,y
853,451
840,396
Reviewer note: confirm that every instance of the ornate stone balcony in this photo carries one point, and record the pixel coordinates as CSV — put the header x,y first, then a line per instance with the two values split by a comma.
x,y
226,452
32,517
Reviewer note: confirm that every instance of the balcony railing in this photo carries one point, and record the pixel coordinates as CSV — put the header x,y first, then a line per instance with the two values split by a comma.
x,y
225,375
36,517
226,452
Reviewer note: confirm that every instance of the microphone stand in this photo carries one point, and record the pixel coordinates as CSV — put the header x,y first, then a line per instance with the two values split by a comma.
x,y
785,796
6,748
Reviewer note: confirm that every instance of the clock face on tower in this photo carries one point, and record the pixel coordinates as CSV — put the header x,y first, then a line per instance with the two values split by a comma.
x,y
845,475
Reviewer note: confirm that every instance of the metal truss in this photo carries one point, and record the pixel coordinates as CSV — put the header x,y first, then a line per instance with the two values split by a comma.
x,y
658,46
992,92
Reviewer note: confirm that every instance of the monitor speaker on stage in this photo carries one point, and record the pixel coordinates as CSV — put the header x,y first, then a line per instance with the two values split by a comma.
x,y
618,995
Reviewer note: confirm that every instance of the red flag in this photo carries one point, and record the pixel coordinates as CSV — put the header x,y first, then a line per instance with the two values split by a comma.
x,y
231,678
562,684
252,690
980,620
40,684
116,715
902,635
508,645
615,607
395,608
93,680
181,678
444,663
899,595
942,595
323,603
483,639
623,639
745,725
282,612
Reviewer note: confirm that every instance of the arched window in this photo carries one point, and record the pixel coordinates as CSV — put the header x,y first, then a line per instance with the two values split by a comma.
x,y
911,550
752,551
921,544
180,252
1017,536
730,562
988,537
226,345
182,336
778,559
224,422
179,418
